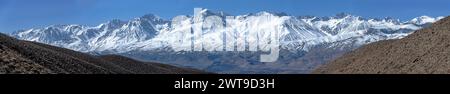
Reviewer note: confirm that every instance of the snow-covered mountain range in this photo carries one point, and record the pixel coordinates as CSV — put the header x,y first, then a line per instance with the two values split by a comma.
x,y
305,41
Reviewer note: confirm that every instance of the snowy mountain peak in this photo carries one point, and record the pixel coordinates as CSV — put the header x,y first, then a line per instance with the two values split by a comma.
x,y
265,13
151,31
342,15
424,20
115,21
112,24
389,20
151,17
206,12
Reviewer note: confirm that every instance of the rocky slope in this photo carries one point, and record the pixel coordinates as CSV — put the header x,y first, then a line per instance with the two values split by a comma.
x,y
25,57
425,51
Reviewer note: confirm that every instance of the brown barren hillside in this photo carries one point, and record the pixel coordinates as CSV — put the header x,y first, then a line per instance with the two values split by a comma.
x,y
24,57
427,51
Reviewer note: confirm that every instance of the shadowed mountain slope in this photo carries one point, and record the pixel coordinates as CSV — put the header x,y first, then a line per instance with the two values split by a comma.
x,y
425,51
17,56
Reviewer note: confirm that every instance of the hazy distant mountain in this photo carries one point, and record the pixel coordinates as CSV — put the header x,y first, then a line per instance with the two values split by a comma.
x,y
305,41
425,51
17,57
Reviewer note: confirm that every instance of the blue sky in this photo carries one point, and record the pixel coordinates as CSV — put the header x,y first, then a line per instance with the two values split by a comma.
x,y
24,14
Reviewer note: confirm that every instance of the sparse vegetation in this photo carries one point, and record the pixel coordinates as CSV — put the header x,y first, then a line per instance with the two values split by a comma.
x,y
24,57
427,51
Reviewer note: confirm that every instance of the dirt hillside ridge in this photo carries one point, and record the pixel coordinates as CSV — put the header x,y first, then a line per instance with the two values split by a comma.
x,y
427,51
25,57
